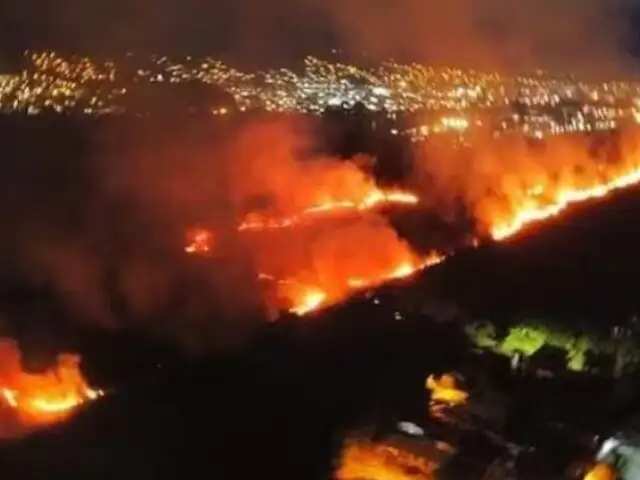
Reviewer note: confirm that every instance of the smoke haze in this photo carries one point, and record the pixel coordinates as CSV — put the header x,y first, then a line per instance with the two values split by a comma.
x,y
584,35
105,234
497,179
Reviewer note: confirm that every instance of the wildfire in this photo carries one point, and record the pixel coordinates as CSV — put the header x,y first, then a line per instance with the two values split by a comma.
x,y
372,200
403,270
199,241
309,300
539,205
506,190
42,398
326,278
380,462
445,390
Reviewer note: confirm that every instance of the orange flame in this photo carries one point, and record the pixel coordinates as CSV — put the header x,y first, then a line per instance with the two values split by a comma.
x,y
538,206
199,241
372,200
42,398
305,299
323,285
445,390
381,462
505,195
309,299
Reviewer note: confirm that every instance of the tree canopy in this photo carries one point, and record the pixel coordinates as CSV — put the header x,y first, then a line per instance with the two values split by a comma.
x,y
528,337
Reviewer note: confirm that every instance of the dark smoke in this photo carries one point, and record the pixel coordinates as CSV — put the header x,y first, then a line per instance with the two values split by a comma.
x,y
589,35
99,230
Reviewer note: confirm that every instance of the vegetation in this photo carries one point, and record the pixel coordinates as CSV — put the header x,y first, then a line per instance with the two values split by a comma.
x,y
527,338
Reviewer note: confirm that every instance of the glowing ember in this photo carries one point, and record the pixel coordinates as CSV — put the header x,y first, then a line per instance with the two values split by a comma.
x,y
445,390
363,460
199,241
601,471
541,205
44,397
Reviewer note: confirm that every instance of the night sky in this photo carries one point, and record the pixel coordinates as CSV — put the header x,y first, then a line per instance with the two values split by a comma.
x,y
590,35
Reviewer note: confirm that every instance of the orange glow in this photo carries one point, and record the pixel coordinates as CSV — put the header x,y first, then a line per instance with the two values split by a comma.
x,y
199,241
539,204
308,300
42,398
445,390
362,267
507,184
506,187
367,257
305,299
360,460
373,199
320,268
601,471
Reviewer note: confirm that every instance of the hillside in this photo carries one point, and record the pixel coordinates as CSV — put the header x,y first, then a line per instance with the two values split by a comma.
x,y
583,263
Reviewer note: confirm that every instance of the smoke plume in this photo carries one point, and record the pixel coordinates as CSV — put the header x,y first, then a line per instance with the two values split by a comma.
x,y
109,248
497,180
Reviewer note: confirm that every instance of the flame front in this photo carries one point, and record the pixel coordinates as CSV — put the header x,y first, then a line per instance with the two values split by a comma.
x,y
508,184
506,188
42,398
307,300
373,199
526,207
540,205
368,252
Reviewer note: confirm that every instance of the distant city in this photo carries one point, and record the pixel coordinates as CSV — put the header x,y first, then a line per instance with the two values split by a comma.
x,y
419,100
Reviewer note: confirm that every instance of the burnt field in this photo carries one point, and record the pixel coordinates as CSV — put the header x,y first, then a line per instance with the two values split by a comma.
x,y
275,398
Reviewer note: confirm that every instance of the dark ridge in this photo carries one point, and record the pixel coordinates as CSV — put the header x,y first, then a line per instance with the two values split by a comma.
x,y
582,264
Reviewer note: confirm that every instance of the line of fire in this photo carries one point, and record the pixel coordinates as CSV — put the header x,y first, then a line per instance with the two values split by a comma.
x,y
324,296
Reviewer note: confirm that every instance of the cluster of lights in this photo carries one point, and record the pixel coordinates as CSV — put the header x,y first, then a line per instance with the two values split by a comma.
x,y
63,83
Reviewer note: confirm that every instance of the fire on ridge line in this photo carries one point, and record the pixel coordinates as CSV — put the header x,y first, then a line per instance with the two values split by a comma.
x,y
541,204
537,210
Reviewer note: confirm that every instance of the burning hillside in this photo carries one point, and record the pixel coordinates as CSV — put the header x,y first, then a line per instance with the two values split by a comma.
x,y
325,260
510,184
34,399
326,264
533,209
312,225
266,205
